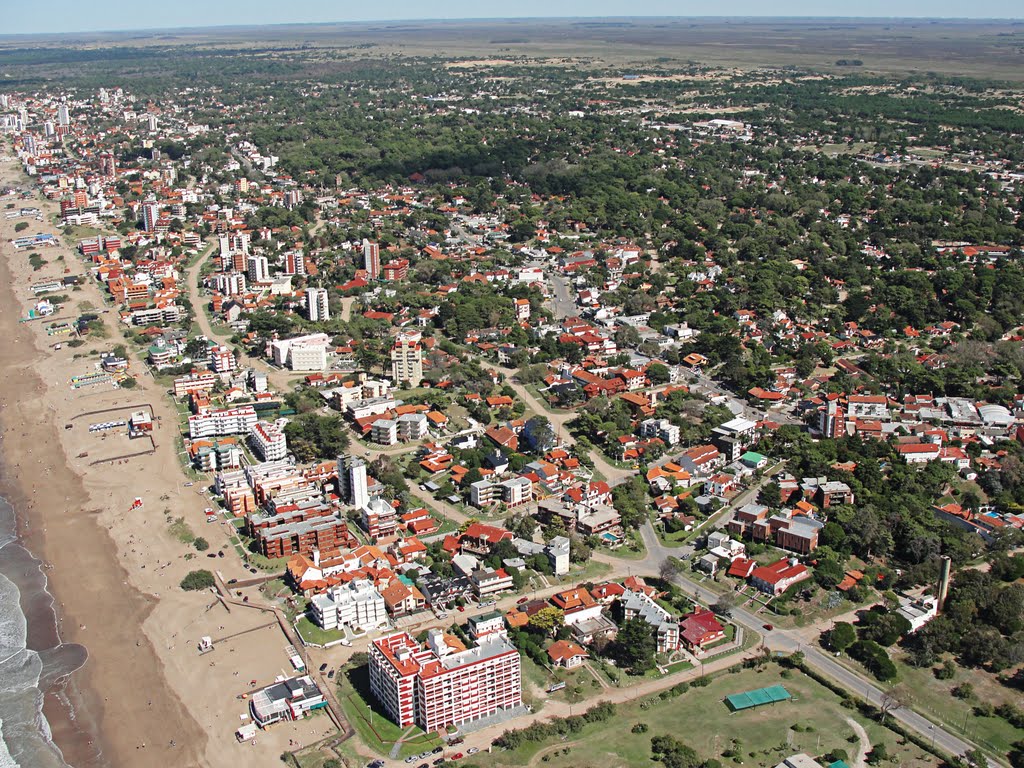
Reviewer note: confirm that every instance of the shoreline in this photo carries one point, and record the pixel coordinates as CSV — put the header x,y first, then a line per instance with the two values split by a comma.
x,y
145,694
53,523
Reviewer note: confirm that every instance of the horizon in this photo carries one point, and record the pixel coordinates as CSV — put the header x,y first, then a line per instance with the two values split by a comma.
x,y
191,15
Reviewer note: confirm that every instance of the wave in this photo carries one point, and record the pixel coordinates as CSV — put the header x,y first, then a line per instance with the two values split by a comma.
x,y
32,657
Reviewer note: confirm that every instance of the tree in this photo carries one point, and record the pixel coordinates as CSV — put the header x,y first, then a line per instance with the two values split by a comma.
x,y
634,646
196,580
840,637
548,620
201,544
893,699
658,373
725,604
770,495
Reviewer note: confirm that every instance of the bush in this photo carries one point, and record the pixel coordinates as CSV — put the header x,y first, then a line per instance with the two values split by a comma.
x,y
946,671
129,383
640,728
963,691
196,580
21,226
201,544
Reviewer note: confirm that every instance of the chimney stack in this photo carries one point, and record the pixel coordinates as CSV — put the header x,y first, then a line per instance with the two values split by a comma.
x,y
943,582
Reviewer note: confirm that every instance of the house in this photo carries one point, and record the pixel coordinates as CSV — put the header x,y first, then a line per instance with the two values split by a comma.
x,y
401,599
776,578
700,629
577,604
566,654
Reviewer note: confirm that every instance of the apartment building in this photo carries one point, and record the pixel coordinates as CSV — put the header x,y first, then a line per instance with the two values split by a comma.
x,y
435,685
357,605
513,492
371,259
352,484
232,421
379,518
268,442
316,305
407,359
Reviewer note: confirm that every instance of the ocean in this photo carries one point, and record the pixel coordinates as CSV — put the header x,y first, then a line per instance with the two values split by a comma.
x,y
33,660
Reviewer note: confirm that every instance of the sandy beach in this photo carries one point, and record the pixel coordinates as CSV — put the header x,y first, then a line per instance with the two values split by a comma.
x,y
145,696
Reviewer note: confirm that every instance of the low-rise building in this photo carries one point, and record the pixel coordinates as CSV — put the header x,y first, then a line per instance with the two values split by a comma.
x,y
357,605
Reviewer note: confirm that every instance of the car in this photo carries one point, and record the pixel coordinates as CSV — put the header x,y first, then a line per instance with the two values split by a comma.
x,y
323,667
330,675
253,570
437,750
462,609
456,756
442,615
768,627
221,553
411,759
212,554
522,600
423,765
439,761
472,750
232,581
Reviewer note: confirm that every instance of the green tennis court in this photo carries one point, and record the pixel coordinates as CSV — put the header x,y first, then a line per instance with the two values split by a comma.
x,y
756,698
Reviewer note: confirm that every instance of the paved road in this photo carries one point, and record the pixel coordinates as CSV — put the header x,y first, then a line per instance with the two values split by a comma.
x,y
791,641
563,300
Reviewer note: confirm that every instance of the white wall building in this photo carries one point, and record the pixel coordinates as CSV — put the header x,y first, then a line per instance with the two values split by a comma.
x,y
316,305
268,442
357,605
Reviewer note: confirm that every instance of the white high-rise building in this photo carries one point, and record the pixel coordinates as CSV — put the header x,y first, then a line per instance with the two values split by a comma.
x,y
259,269
371,259
63,115
316,305
352,485
407,359
152,123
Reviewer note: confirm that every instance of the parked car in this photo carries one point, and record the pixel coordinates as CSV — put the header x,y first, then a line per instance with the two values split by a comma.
x,y
522,600
768,627
472,750
437,750
330,675
323,667
456,756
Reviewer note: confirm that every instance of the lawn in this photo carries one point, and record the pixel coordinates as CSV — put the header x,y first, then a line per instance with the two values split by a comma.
x,y
311,633
701,719
632,549
932,698
374,728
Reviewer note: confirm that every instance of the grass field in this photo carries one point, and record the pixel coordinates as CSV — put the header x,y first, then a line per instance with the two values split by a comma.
x,y
813,722
933,699
371,723
311,633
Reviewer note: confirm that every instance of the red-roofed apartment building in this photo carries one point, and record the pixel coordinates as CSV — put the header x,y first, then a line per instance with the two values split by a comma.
x,y
434,686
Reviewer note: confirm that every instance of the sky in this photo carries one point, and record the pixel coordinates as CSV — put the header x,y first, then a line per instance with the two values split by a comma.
x,y
54,16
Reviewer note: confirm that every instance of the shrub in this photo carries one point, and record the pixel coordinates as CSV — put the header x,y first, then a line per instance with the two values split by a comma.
x,y
963,691
21,226
201,544
195,580
640,728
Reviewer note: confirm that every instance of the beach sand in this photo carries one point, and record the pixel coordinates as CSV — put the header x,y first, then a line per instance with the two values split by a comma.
x,y
114,573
